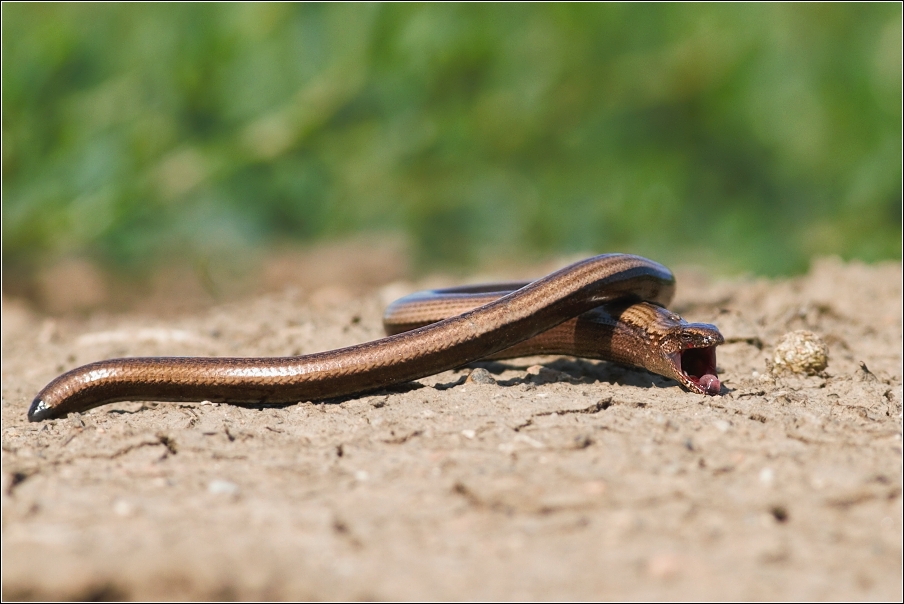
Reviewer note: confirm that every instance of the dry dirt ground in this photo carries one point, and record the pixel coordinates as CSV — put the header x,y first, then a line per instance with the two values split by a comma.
x,y
574,479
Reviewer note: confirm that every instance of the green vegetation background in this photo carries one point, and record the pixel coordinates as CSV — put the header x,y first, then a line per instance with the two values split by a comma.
x,y
751,137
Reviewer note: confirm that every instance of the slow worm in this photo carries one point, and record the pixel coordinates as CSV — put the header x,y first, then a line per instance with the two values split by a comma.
x,y
620,298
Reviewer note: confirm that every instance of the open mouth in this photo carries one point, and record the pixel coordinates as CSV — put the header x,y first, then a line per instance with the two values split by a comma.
x,y
698,368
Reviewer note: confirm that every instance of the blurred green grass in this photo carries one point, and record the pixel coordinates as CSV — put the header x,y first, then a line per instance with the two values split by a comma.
x,y
745,137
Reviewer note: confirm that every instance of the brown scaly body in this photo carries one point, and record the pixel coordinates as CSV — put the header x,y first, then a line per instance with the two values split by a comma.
x,y
624,331
449,343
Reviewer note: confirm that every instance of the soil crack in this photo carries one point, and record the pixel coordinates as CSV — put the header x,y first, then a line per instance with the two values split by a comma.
x,y
601,405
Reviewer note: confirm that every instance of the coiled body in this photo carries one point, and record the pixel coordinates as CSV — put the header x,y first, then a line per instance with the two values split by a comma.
x,y
449,343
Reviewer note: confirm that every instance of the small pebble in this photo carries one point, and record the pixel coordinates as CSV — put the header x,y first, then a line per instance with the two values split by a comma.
x,y
800,351
122,507
223,487
479,375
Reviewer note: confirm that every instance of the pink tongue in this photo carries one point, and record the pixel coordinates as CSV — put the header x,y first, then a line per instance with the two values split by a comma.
x,y
710,384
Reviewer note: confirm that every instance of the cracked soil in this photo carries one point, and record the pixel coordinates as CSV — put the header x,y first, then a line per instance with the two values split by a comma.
x,y
558,478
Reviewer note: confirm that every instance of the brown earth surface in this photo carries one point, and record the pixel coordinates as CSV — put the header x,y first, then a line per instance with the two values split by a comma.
x,y
565,479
